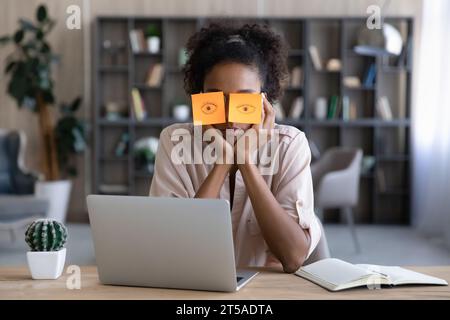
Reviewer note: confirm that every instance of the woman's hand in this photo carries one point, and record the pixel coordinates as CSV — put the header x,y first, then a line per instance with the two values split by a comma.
x,y
265,127
211,186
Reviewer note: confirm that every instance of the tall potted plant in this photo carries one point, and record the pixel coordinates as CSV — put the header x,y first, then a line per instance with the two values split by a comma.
x,y
31,85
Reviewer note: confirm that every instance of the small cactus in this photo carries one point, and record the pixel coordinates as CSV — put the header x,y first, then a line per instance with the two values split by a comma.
x,y
46,235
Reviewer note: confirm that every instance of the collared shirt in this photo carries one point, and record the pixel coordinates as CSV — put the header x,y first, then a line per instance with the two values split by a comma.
x,y
291,186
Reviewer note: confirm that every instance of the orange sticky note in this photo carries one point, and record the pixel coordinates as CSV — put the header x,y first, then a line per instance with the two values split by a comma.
x,y
208,108
245,107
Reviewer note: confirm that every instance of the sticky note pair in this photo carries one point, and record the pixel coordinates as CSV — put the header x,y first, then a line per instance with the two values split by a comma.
x,y
209,108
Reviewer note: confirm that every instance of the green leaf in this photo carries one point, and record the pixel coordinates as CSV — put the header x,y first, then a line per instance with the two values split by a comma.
x,y
75,104
48,96
10,66
39,34
41,13
18,36
45,47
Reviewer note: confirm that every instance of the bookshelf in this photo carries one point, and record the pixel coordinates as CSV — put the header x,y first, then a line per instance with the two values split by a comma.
x,y
385,192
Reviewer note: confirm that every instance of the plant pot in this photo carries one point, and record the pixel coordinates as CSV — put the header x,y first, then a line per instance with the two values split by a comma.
x,y
153,44
58,195
46,264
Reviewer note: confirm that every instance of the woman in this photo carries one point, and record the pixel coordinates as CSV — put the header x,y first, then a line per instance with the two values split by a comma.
x,y
272,214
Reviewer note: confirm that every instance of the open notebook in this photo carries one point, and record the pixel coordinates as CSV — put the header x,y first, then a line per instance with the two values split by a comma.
x,y
334,275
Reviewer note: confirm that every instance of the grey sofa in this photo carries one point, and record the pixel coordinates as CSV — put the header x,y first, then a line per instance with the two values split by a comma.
x,y
18,205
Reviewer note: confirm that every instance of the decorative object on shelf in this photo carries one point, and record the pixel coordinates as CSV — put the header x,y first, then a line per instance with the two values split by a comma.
x,y
384,108
154,75
32,87
334,65
352,82
315,57
153,38
144,151
296,77
181,111
379,42
367,164
320,108
112,49
296,108
115,110
46,239
182,57
279,111
122,146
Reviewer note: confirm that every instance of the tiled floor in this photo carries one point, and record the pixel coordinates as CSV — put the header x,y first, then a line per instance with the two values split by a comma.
x,y
387,245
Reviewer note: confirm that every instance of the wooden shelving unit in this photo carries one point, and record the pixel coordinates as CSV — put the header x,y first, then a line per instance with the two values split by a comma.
x,y
115,74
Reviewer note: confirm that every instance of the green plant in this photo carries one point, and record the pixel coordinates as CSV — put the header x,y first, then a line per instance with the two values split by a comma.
x,y
70,135
152,30
46,235
31,84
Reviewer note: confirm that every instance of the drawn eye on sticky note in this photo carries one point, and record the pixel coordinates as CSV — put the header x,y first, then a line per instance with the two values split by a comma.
x,y
245,108
208,108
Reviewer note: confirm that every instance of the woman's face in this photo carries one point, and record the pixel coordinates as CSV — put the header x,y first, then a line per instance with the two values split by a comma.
x,y
232,77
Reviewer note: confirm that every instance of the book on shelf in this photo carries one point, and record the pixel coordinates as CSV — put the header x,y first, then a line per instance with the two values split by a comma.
x,y
315,57
154,75
384,108
381,180
353,111
335,275
296,109
370,75
137,41
333,107
138,105
345,108
296,77
113,188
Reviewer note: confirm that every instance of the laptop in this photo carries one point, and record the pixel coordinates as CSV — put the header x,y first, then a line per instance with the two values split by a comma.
x,y
165,242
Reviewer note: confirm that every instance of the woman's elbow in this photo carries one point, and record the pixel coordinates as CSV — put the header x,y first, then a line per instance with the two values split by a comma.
x,y
294,263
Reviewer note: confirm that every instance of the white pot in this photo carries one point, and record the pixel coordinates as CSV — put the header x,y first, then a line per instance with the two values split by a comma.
x,y
46,264
153,44
181,112
58,194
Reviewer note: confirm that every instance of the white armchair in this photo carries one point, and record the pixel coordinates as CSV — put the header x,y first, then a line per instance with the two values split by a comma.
x,y
336,183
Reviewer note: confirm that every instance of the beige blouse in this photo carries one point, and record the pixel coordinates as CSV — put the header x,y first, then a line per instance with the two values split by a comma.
x,y
291,186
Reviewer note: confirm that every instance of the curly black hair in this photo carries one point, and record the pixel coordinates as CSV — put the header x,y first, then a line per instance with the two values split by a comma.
x,y
255,45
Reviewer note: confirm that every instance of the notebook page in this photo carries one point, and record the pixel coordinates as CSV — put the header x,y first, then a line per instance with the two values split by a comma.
x,y
400,275
335,271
